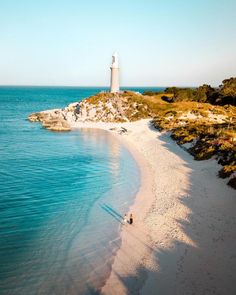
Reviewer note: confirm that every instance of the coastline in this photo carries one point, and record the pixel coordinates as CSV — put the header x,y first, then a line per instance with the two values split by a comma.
x,y
127,258
183,221
125,262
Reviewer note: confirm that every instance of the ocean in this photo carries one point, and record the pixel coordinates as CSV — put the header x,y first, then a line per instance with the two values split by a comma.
x,y
62,197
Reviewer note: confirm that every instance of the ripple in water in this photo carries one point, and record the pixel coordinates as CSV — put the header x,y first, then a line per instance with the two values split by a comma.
x,y
56,234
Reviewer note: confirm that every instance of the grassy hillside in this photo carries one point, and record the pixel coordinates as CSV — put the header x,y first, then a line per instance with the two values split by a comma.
x,y
204,129
207,131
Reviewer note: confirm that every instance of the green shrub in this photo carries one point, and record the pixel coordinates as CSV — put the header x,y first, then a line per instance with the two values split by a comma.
x,y
227,170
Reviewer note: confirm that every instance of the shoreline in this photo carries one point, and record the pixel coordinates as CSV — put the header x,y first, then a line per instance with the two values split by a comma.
x,y
184,220
136,233
142,202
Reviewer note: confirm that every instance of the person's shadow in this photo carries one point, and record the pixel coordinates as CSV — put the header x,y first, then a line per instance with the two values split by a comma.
x,y
117,216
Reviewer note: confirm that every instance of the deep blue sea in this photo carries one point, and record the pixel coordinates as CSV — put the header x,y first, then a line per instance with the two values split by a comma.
x,y
60,197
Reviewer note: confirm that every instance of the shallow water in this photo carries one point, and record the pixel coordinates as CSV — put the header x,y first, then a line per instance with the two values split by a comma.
x,y
58,230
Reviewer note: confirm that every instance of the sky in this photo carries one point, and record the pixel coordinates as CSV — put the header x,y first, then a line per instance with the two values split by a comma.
x,y
159,42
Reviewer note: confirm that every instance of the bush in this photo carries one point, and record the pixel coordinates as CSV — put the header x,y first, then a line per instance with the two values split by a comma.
x,y
225,94
232,182
167,98
227,170
151,93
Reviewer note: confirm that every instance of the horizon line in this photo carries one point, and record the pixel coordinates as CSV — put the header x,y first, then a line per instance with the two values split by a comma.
x,y
94,86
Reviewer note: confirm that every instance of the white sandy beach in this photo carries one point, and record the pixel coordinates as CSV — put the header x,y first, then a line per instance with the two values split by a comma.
x,y
183,239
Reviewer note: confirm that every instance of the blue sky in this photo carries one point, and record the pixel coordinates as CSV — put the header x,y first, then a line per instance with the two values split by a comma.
x,y
160,43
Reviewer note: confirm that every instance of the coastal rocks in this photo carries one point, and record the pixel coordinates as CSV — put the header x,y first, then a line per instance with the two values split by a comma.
x,y
120,130
33,117
113,108
53,120
56,125
59,126
38,117
102,107
71,107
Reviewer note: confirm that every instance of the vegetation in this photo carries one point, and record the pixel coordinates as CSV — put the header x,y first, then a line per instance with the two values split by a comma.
x,y
203,117
151,93
209,130
228,88
224,94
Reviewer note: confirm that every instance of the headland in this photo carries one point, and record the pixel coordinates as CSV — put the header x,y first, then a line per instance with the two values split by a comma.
x,y
183,237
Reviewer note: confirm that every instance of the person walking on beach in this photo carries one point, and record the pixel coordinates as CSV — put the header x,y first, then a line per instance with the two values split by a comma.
x,y
125,219
131,219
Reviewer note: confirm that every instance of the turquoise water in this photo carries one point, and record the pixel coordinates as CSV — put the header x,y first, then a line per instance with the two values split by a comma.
x,y
58,233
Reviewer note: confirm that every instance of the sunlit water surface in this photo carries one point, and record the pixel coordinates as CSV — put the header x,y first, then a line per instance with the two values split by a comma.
x,y
58,230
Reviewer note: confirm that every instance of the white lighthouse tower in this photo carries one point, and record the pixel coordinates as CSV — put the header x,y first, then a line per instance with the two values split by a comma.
x,y
115,87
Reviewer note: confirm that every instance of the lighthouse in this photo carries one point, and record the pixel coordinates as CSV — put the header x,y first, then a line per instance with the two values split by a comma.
x,y
115,74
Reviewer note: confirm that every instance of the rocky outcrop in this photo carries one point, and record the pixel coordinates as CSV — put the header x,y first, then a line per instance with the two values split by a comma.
x,y
103,107
51,121
57,119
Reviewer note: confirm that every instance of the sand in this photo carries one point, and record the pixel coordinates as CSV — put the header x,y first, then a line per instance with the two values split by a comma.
x,y
183,240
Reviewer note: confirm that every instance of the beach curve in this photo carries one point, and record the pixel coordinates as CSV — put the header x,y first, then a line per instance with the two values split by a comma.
x,y
181,213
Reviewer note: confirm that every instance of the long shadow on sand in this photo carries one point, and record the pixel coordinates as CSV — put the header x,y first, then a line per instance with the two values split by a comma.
x,y
207,263
108,209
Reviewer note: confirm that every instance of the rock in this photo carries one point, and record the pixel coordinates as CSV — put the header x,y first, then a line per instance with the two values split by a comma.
x,y
72,107
54,120
49,122
42,116
56,124
33,117
59,128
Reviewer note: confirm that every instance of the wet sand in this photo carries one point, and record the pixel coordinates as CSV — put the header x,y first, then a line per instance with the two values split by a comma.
x,y
183,239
